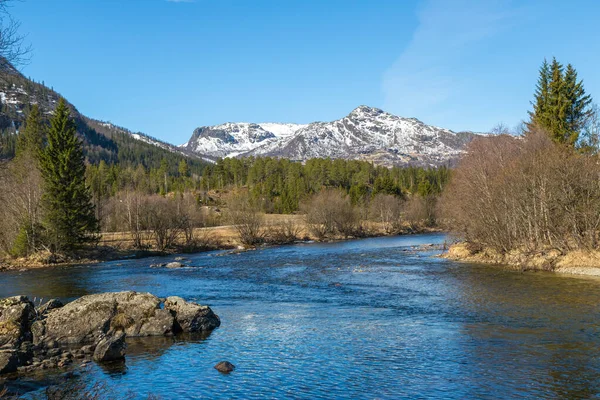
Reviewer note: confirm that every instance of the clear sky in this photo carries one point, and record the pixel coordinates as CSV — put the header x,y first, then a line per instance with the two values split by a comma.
x,y
166,67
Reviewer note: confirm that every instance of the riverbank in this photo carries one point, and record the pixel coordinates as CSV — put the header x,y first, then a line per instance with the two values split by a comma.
x,y
115,246
574,263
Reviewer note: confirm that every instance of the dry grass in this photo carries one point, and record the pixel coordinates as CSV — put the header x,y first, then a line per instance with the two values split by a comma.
x,y
578,262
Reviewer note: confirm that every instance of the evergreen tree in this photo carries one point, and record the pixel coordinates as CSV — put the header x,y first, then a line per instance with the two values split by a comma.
x,y
540,106
70,216
31,140
561,106
578,104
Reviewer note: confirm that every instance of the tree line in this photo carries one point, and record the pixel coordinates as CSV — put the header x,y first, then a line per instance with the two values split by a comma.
x,y
279,185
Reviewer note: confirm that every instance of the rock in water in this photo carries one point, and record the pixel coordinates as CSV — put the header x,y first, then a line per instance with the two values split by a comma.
x,y
111,348
175,265
192,317
89,317
225,367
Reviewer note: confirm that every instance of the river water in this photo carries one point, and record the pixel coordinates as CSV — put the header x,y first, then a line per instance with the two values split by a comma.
x,y
370,318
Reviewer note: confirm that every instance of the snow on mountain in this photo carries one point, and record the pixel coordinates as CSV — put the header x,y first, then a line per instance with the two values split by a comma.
x,y
233,139
366,133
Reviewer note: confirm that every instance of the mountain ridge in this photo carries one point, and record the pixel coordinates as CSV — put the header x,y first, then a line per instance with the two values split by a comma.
x,y
102,141
366,133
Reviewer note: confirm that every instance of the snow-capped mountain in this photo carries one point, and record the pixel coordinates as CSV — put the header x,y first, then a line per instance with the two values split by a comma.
x,y
236,139
366,133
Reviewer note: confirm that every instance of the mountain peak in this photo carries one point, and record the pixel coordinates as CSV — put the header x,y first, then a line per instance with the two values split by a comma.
x,y
365,111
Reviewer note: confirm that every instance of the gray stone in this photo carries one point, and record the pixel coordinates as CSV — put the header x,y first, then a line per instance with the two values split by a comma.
x,y
192,317
111,348
175,265
89,317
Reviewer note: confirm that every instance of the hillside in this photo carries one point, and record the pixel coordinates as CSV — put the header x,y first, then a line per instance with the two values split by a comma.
x,y
365,134
102,140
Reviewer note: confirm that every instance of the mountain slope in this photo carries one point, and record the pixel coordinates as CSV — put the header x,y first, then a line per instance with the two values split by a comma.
x,y
101,140
366,133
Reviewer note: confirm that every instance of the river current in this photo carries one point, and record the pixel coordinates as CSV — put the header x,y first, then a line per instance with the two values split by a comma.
x,y
374,318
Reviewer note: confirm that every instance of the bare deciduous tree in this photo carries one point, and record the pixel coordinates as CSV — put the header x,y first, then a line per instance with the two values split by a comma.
x,y
330,212
247,220
13,50
387,209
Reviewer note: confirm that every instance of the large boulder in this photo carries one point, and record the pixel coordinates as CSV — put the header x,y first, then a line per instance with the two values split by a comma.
x,y
111,348
16,316
192,317
90,317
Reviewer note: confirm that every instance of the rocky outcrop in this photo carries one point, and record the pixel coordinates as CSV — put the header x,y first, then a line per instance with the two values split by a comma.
x,y
137,314
191,317
95,324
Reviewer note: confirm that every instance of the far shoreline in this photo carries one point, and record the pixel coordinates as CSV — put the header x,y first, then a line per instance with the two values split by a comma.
x,y
108,254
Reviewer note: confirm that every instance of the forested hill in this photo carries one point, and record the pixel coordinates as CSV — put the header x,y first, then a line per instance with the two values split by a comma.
x,y
102,140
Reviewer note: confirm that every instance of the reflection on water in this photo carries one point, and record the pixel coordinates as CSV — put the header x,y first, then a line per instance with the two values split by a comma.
x,y
361,319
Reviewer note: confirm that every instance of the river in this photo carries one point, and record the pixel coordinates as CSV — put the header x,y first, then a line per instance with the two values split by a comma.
x,y
370,318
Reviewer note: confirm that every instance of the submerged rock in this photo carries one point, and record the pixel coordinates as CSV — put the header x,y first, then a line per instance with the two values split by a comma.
x,y
111,348
192,317
225,367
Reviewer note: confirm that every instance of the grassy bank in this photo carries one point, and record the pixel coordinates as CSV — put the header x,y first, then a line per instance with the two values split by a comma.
x,y
120,245
577,262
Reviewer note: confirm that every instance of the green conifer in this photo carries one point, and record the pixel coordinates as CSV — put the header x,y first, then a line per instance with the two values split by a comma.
x,y
70,216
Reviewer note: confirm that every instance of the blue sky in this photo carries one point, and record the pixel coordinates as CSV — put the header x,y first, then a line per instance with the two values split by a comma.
x,y
166,67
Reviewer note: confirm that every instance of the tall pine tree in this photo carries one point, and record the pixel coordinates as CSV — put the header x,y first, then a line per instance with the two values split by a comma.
x,y
578,105
540,106
70,216
561,106
31,140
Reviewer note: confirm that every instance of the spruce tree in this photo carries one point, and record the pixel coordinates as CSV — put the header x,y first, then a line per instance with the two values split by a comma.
x,y
561,106
578,105
70,216
31,140
540,106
